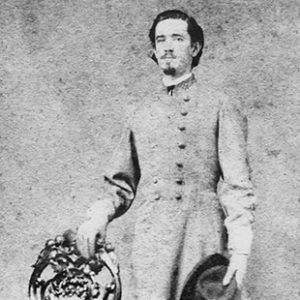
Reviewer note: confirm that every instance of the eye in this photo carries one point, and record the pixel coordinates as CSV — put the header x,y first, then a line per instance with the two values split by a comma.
x,y
160,40
179,39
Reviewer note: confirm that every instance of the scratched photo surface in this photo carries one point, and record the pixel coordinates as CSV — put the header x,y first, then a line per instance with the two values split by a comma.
x,y
71,72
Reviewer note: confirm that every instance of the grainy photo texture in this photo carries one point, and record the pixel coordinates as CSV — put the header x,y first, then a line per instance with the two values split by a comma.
x,y
150,149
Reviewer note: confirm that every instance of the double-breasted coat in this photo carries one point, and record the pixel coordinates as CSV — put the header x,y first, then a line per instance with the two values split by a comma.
x,y
177,149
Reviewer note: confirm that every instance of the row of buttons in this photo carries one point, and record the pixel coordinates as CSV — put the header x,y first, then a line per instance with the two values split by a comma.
x,y
178,196
179,181
182,127
182,146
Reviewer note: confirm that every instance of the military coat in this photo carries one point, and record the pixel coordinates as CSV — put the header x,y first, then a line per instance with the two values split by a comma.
x,y
178,147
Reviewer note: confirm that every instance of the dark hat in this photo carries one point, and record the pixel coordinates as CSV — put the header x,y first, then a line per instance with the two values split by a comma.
x,y
205,281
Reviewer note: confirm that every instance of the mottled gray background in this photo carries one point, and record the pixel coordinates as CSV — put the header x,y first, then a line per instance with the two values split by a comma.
x,y
69,69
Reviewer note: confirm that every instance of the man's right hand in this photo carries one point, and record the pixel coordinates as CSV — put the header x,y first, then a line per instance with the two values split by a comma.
x,y
94,229
89,233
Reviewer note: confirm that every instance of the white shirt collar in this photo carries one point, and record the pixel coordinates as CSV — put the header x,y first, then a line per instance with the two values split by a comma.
x,y
167,81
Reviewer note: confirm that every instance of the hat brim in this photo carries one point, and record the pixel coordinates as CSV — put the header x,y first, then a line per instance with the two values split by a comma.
x,y
205,281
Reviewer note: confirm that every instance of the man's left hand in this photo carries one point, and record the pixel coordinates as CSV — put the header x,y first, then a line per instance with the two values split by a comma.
x,y
237,266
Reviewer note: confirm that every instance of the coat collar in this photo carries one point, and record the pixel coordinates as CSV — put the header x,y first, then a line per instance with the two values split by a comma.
x,y
183,85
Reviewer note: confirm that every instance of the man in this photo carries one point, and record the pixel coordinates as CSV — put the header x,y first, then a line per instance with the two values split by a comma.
x,y
186,146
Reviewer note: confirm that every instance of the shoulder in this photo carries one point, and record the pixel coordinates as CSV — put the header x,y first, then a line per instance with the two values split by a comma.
x,y
209,94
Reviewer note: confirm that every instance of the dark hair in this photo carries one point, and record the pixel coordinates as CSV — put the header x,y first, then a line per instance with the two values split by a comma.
x,y
194,30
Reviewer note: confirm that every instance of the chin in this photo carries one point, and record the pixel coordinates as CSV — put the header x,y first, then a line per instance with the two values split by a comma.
x,y
169,71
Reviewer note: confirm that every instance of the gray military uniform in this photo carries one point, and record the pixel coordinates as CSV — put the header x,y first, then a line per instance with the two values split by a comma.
x,y
181,144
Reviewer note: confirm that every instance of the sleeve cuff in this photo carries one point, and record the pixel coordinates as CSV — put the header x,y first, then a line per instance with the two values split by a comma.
x,y
100,209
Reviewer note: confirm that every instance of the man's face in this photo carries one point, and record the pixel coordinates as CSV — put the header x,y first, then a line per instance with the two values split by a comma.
x,y
173,48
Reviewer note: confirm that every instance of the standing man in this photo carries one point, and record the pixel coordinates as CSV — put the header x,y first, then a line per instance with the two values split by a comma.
x,y
184,160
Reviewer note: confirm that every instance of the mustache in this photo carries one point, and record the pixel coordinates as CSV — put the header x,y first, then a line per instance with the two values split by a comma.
x,y
168,55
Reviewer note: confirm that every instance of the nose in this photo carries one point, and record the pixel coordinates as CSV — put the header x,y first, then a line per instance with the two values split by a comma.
x,y
168,45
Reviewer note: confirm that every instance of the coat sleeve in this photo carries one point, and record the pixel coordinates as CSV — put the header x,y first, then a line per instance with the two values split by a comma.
x,y
235,187
125,173
120,180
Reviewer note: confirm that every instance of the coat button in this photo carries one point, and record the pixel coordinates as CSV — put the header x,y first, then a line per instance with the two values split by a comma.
x,y
186,98
184,113
179,165
182,128
155,181
156,196
180,181
182,146
178,196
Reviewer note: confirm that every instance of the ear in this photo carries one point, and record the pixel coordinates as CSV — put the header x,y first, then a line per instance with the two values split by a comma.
x,y
195,48
152,55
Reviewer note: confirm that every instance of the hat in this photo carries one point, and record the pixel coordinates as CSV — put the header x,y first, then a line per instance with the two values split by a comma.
x,y
205,281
